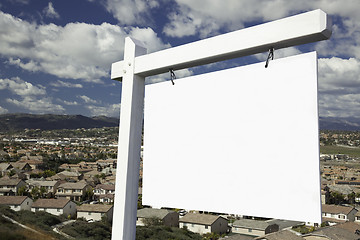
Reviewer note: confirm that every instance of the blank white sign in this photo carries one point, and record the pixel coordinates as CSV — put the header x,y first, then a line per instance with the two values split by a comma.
x,y
242,141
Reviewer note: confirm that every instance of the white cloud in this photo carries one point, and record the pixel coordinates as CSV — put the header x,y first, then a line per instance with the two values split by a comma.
x,y
75,51
130,12
50,12
35,105
21,88
112,110
339,87
3,110
74,103
166,76
206,17
63,84
32,97
278,53
86,99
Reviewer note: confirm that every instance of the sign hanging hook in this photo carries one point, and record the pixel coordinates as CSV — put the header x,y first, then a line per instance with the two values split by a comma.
x,y
172,75
271,55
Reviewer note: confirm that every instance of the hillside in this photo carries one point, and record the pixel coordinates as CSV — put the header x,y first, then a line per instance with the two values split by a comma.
x,y
20,121
345,124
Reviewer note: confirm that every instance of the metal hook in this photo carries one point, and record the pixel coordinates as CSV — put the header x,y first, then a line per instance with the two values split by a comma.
x,y
172,75
271,55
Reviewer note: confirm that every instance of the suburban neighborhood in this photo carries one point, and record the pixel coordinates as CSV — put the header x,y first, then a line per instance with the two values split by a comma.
x,y
75,178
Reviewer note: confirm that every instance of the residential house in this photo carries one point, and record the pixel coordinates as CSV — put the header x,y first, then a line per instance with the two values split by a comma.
x,y
68,176
34,161
281,235
3,155
104,193
254,227
347,230
168,217
94,212
5,168
357,217
73,191
10,187
22,166
16,203
49,186
56,207
334,214
108,163
204,223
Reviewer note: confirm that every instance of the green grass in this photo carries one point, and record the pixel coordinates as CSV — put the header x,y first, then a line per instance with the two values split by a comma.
x,y
332,149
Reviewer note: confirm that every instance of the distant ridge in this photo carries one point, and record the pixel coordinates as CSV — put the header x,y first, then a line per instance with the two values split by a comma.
x,y
344,124
20,121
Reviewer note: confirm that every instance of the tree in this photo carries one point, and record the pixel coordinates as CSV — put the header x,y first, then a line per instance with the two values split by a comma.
x,y
153,221
35,193
351,198
336,198
22,191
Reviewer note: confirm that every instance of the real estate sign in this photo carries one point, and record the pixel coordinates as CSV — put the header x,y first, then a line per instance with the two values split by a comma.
x,y
242,140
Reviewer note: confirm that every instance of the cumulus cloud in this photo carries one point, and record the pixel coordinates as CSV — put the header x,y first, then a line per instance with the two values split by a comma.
x,y
3,110
75,51
166,76
69,103
339,87
130,12
50,12
29,97
86,99
63,84
36,105
112,110
193,18
21,87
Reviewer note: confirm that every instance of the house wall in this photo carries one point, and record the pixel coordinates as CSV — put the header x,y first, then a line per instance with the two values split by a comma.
x,y
351,215
90,215
196,228
70,209
110,214
248,231
219,226
171,220
140,221
26,205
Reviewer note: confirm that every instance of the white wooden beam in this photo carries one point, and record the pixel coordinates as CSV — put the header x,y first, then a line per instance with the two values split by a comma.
x,y
291,31
128,159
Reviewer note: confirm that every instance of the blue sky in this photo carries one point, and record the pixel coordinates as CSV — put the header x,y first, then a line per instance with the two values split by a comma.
x,y
56,55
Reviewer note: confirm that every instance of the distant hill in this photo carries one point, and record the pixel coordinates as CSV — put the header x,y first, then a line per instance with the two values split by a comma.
x,y
345,124
20,121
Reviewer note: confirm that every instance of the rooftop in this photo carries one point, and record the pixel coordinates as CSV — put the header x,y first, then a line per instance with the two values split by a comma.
x,y
204,219
94,208
9,182
153,212
69,185
12,200
50,203
253,224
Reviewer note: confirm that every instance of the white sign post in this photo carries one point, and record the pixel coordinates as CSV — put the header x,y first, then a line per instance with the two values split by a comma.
x,y
300,29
